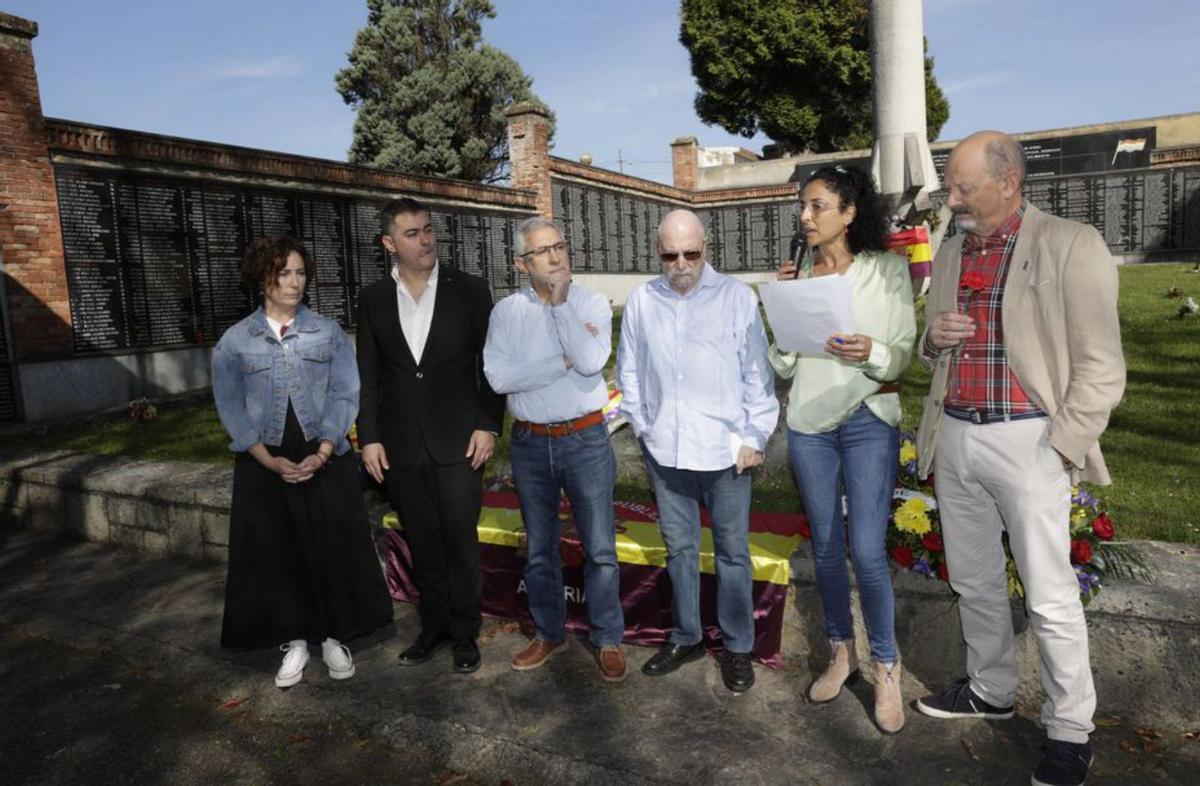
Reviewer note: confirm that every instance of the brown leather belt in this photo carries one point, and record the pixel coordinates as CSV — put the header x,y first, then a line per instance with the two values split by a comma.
x,y
891,387
564,428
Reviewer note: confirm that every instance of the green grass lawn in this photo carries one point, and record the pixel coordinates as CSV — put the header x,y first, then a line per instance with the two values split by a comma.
x,y
1152,444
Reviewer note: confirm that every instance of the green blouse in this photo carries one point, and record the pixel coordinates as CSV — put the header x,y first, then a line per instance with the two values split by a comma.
x,y
825,389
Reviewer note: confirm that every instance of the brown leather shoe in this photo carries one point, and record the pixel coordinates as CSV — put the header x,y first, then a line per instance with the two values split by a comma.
x,y
537,653
612,663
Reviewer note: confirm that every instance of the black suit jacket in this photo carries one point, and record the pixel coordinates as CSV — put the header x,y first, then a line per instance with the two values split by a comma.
x,y
443,398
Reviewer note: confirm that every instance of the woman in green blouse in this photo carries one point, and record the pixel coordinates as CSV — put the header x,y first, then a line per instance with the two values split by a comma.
x,y
843,416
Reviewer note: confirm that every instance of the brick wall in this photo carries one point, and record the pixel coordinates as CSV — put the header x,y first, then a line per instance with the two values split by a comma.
x,y
30,239
685,163
529,152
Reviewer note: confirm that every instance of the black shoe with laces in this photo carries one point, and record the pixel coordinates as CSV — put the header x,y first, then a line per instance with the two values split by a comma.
x,y
423,648
1063,764
466,656
959,701
737,672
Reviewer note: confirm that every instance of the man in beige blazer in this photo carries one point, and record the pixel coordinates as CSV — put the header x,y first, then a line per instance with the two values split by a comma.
x,y
1025,346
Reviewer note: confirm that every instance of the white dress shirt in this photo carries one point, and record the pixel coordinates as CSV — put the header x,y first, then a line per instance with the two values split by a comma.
x,y
526,345
415,315
693,371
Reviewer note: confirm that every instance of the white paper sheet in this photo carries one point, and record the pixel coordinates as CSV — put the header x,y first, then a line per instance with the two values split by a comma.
x,y
804,313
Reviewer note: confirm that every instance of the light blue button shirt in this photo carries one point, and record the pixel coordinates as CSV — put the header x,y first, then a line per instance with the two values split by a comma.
x,y
527,343
693,371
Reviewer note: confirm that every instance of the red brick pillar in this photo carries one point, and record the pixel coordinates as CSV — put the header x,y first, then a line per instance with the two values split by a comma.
x,y
529,152
685,163
31,244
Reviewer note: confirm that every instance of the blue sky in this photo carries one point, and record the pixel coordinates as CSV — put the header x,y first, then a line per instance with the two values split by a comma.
x,y
260,72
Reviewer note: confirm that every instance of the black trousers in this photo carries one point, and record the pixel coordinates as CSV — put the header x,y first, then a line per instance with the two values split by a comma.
x,y
439,505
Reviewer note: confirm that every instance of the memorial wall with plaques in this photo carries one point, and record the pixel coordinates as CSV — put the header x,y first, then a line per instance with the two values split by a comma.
x,y
8,391
154,261
613,231
1136,211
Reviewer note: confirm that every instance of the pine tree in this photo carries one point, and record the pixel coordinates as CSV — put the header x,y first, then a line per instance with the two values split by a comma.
x,y
430,94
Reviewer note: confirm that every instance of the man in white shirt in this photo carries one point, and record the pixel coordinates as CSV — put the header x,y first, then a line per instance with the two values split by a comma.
x,y
698,389
428,422
546,348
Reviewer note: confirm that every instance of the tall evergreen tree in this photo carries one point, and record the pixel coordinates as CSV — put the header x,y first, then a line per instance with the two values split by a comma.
x,y
800,72
430,94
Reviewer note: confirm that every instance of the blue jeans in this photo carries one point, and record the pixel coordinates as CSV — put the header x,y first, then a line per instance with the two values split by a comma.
x,y
726,494
584,466
859,457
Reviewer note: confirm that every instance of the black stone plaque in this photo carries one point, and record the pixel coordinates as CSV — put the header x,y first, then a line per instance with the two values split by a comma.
x,y
154,260
1080,154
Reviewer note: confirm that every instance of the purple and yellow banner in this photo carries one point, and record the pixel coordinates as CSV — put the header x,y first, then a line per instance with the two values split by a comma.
x,y
645,585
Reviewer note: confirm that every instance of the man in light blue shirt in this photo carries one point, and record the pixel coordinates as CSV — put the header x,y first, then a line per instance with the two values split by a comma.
x,y
698,389
546,348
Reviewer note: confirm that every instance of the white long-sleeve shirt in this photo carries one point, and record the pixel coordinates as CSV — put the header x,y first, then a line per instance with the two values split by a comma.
x,y
693,371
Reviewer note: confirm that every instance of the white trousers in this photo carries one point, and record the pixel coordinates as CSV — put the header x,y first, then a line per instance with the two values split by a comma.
x,y
1006,477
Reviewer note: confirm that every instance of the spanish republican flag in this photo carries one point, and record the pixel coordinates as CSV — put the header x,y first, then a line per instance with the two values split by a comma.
x,y
1128,146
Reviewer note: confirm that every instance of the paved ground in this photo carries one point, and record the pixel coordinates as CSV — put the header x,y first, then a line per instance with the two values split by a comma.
x,y
110,673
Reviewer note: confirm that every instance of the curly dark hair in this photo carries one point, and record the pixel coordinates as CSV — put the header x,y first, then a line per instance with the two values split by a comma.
x,y
266,256
856,187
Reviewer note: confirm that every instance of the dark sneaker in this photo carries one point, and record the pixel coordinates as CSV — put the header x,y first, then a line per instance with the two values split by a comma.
x,y
960,701
1063,764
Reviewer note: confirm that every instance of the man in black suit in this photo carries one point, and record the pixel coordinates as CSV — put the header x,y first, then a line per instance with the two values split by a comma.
x,y
428,422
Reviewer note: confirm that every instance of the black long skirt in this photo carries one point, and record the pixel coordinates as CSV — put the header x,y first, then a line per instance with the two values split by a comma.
x,y
302,564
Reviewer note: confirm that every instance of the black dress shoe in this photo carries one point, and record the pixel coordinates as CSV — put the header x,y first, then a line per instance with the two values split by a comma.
x,y
466,656
423,648
736,671
671,657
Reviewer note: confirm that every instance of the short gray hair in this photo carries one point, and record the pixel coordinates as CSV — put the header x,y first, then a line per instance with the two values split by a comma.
x,y
528,227
1004,154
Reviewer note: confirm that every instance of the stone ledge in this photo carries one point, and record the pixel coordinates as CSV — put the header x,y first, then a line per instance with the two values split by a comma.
x,y
1143,637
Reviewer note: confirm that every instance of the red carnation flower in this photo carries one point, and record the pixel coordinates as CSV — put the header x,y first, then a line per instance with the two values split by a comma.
x,y
1081,552
944,573
1103,527
932,541
903,556
973,281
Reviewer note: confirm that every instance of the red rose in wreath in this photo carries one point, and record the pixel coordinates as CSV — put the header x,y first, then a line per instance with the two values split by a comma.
x,y
1081,552
903,556
932,541
1103,527
944,573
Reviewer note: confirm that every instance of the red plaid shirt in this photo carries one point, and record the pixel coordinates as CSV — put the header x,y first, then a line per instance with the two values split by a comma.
x,y
980,377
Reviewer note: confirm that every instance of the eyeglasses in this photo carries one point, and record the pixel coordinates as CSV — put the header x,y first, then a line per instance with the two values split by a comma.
x,y
671,256
542,251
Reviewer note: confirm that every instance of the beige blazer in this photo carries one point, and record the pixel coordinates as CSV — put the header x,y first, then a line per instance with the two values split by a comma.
x,y
1061,335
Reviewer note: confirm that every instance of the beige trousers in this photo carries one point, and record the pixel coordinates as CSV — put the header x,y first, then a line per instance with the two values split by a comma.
x,y
1006,477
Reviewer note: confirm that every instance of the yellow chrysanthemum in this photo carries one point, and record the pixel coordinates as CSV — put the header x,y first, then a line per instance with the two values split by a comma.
x,y
911,517
908,452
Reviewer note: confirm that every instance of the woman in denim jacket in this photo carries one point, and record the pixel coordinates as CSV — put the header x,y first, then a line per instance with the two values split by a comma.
x,y
302,565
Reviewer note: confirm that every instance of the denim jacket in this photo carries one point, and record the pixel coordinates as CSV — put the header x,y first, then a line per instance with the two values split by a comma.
x,y
254,375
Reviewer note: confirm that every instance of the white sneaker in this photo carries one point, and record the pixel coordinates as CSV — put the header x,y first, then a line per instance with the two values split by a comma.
x,y
337,657
292,668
